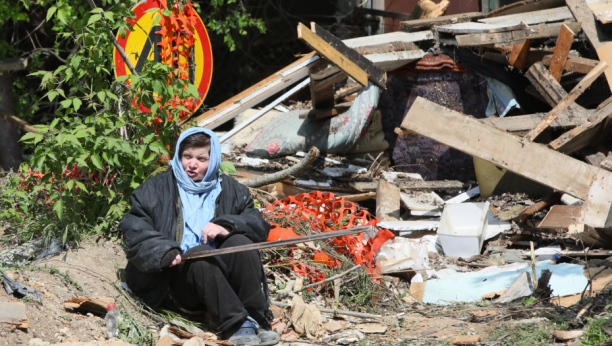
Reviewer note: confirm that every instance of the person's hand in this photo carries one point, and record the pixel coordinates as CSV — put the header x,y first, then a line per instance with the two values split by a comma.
x,y
212,231
176,261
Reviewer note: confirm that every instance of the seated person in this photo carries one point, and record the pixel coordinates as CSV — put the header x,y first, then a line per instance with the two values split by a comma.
x,y
192,207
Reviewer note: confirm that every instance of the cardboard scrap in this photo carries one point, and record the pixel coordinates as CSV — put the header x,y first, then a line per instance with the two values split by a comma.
x,y
14,314
166,341
371,328
198,341
466,340
334,326
94,305
306,318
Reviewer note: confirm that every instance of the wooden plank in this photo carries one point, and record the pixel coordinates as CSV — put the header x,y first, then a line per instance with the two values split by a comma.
x,y
412,185
323,76
583,14
478,28
525,6
531,18
602,9
597,208
398,36
568,100
283,242
508,38
560,216
360,197
582,135
549,88
573,63
386,14
426,23
375,74
562,49
530,121
387,201
393,60
518,56
531,160
594,33
257,93
333,55
386,48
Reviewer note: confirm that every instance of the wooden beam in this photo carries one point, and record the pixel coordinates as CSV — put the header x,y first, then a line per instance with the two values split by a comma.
x,y
602,9
597,208
333,55
582,135
283,242
562,49
257,93
510,38
376,75
323,76
525,6
530,121
398,36
531,18
594,33
549,88
583,14
412,185
387,201
573,63
531,160
426,23
567,101
518,56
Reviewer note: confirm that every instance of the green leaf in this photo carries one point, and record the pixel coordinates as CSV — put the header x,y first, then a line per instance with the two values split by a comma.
x,y
193,90
156,147
54,123
122,32
29,135
166,13
81,186
66,103
101,96
69,184
51,95
227,168
61,15
135,79
58,207
123,78
95,159
94,18
109,16
152,10
50,12
77,104
97,10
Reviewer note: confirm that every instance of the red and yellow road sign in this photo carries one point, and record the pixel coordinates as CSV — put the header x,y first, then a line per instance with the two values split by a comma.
x,y
144,44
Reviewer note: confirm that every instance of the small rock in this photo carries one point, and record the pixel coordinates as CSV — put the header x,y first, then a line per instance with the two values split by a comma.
x,y
483,313
371,328
333,326
279,327
346,341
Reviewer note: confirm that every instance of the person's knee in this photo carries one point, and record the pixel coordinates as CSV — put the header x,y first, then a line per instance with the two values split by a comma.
x,y
236,240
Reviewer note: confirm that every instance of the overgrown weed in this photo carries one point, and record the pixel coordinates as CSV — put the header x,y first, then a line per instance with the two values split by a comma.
x,y
523,335
594,334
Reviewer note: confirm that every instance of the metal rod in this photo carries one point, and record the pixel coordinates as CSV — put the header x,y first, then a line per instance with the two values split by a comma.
x,y
277,243
328,279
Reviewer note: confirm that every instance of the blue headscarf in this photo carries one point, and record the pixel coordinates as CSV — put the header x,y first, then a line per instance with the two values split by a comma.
x,y
198,199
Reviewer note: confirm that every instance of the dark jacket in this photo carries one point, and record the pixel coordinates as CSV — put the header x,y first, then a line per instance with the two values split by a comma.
x,y
154,226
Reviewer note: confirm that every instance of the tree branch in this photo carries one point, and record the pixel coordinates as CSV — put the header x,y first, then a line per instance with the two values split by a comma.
x,y
284,174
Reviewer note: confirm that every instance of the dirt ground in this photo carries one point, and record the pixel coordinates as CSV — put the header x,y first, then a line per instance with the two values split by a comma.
x,y
50,321
418,325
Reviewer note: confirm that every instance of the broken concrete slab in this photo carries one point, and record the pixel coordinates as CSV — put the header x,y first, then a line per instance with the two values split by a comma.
x,y
14,314
521,287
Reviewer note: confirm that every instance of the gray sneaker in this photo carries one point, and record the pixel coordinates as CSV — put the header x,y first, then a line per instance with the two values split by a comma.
x,y
268,337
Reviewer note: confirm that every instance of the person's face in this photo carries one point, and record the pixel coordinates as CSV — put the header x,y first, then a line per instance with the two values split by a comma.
x,y
195,162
